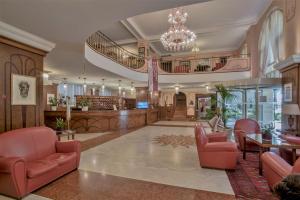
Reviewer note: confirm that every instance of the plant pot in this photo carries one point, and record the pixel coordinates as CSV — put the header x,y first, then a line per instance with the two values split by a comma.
x,y
267,136
54,108
85,108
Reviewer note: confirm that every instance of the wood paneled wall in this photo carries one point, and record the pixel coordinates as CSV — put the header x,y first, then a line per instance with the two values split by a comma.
x,y
292,75
16,58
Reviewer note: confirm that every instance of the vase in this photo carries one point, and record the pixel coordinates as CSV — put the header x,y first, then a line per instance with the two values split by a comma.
x,y
54,108
85,108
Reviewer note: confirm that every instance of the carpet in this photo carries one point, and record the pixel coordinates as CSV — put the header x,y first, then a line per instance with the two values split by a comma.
x,y
246,181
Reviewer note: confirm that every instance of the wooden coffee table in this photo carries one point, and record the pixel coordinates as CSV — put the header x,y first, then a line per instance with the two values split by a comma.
x,y
69,133
265,145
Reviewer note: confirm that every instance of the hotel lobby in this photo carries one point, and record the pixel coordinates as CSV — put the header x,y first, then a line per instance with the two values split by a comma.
x,y
150,100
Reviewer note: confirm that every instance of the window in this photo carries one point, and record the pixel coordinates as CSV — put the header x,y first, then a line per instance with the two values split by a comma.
x,y
270,44
70,90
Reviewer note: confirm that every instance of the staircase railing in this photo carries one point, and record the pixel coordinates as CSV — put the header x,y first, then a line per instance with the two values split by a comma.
x,y
102,44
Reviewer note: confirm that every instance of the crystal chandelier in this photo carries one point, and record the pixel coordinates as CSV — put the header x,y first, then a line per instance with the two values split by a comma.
x,y
178,37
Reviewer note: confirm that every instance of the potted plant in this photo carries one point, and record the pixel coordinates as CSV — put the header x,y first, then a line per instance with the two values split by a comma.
x,y
84,103
226,96
267,131
60,124
53,103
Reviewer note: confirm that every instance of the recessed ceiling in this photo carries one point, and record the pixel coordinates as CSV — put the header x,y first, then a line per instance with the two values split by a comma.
x,y
220,25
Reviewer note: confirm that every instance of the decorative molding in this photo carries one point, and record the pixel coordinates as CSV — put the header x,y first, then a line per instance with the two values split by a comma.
x,y
294,59
24,37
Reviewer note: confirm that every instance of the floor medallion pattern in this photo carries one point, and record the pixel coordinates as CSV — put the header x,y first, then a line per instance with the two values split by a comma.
x,y
175,140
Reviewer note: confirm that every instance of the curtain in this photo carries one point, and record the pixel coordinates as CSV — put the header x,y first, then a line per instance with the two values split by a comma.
x,y
270,42
71,91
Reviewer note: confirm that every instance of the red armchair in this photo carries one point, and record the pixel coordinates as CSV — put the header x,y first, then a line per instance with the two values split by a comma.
x,y
275,168
32,157
243,127
212,154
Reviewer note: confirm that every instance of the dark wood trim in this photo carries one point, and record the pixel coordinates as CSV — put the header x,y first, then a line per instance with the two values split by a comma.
x,y
22,46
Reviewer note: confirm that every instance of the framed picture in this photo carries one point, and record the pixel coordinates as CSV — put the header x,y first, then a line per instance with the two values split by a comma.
x,y
288,92
290,6
23,90
49,96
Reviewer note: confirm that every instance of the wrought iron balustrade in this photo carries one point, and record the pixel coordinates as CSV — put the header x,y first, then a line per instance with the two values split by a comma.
x,y
107,47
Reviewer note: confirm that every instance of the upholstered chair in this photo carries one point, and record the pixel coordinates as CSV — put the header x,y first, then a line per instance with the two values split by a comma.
x,y
217,154
243,127
275,168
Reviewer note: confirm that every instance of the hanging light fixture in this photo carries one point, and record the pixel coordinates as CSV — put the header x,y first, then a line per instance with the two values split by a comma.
x,y
65,83
84,85
119,87
131,88
176,89
103,85
178,37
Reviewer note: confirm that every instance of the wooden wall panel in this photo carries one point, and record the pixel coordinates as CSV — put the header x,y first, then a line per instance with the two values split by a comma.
x,y
22,61
291,75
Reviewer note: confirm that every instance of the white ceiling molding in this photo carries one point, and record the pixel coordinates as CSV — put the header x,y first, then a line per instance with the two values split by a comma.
x,y
126,41
137,32
24,37
210,30
294,59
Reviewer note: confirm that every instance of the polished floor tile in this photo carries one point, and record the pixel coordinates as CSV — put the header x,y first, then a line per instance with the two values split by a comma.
x,y
86,185
137,156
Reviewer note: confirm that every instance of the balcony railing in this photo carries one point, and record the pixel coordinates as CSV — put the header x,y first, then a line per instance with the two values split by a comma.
x,y
106,47
206,65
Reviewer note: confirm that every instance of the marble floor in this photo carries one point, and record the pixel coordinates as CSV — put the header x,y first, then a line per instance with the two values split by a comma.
x,y
84,136
137,156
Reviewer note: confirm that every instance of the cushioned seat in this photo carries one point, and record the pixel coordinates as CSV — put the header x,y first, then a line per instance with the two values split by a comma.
x,y
219,155
61,158
275,168
39,167
32,157
221,146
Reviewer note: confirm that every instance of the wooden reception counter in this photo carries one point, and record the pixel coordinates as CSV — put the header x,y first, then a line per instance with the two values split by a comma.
x,y
100,121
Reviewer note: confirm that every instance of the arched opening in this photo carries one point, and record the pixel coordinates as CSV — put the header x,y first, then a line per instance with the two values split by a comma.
x,y
180,106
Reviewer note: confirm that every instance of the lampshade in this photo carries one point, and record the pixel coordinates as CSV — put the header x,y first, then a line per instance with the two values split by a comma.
x,y
291,109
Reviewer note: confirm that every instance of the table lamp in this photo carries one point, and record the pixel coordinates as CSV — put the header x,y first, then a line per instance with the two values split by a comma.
x,y
291,109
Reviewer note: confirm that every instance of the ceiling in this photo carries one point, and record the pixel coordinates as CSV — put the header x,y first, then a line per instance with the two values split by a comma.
x,y
220,25
69,23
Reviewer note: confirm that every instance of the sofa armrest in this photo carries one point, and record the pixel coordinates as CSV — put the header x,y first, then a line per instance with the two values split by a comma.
x,y
217,137
12,176
277,164
7,165
68,147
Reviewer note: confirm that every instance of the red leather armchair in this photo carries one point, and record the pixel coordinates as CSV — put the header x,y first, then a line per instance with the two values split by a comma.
x,y
243,127
32,157
219,155
275,168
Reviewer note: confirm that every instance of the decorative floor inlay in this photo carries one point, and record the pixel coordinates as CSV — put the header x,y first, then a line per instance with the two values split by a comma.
x,y
175,140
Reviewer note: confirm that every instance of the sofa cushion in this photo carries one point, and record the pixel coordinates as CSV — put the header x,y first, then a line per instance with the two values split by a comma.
x,y
220,146
39,167
61,158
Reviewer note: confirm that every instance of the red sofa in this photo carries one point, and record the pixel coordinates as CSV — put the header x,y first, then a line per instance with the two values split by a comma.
x,y
216,154
243,127
32,157
275,168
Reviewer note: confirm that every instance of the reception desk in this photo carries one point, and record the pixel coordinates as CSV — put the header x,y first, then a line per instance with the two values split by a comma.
x,y
101,121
